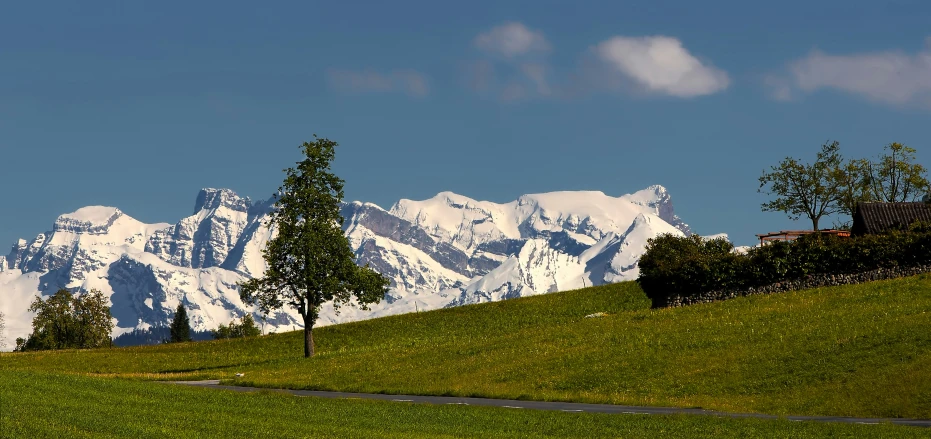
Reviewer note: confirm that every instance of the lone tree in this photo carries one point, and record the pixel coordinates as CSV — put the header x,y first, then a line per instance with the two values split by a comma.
x,y
309,260
895,177
814,190
66,321
180,326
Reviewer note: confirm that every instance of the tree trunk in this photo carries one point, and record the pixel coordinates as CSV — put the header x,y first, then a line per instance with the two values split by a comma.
x,y
814,224
308,339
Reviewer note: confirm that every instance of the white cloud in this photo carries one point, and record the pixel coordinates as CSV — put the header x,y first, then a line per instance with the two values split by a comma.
x,y
661,64
890,77
410,82
511,40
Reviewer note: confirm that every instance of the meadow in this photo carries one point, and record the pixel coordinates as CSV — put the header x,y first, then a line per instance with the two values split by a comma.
x,y
42,405
858,350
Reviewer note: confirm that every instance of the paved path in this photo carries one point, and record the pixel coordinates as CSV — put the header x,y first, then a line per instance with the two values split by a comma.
x,y
562,406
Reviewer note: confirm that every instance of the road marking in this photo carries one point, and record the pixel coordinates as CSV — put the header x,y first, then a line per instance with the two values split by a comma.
x,y
574,411
457,403
403,400
635,413
511,407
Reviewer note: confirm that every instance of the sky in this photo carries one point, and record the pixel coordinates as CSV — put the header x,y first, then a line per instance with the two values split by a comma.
x,y
139,105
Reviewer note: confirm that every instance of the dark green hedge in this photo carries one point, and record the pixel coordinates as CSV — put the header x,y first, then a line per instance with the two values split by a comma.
x,y
688,266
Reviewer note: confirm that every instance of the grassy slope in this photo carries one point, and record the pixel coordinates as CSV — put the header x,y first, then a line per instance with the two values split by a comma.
x,y
855,351
36,405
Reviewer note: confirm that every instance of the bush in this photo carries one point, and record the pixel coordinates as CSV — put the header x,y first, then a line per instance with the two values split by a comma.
x,y
245,328
688,266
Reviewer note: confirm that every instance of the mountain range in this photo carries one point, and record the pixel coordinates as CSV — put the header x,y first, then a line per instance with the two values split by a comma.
x,y
446,251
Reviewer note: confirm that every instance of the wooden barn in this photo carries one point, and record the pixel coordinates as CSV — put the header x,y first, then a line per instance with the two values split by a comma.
x,y
869,218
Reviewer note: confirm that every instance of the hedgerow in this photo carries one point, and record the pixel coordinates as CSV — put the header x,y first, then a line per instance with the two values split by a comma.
x,y
688,266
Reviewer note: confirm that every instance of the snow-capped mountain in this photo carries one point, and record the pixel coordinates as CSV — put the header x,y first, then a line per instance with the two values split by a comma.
x,y
445,251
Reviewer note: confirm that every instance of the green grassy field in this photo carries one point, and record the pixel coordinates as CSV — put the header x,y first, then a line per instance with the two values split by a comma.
x,y
38,405
852,351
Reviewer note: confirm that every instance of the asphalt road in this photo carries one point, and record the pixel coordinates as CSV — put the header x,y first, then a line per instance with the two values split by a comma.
x,y
572,407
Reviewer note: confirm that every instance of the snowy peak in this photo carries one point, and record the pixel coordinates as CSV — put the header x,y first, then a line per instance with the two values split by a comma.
x,y
658,198
205,238
212,199
458,220
587,215
91,219
651,196
444,251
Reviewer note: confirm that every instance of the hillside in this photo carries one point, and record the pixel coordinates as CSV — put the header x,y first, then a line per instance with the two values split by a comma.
x,y
858,350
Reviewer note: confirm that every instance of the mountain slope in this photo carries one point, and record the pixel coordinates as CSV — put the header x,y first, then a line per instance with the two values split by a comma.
x,y
445,251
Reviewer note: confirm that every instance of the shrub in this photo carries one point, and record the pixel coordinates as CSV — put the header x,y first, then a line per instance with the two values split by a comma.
x,y
245,328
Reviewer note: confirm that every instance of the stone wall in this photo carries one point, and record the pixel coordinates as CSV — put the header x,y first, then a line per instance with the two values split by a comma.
x,y
812,281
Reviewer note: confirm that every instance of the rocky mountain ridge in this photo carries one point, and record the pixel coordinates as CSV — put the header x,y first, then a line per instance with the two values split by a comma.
x,y
445,251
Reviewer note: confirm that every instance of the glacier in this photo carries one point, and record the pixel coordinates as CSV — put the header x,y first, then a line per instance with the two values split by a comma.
x,y
448,250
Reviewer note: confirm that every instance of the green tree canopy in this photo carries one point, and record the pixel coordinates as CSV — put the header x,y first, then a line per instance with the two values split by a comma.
x,y
180,326
66,321
895,177
813,190
310,261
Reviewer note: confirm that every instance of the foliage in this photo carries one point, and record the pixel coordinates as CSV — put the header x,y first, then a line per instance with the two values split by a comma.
x,y
895,177
245,328
180,326
855,350
832,185
310,261
673,263
66,321
92,407
853,179
813,190
685,266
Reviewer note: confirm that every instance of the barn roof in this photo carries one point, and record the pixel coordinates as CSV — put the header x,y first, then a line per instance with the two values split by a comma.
x,y
882,217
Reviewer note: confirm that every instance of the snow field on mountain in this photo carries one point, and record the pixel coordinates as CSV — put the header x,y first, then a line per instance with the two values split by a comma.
x,y
444,251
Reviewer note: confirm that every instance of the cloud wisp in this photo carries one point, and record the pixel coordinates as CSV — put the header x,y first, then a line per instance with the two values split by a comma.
x,y
661,65
511,40
890,77
515,67
409,82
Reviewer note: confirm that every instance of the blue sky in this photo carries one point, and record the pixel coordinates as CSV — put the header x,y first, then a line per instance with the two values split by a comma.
x,y
140,104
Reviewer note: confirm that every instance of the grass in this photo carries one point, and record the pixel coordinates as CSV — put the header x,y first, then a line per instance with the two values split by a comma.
x,y
862,350
42,405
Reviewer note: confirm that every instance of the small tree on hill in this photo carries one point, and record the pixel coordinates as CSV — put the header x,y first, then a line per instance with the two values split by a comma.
x,y
180,326
310,261
247,327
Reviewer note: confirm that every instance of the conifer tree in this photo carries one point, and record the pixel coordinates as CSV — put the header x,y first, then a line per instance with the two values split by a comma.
x,y
180,326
